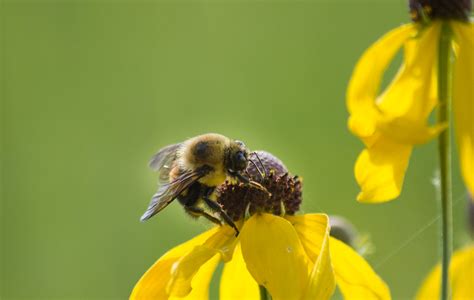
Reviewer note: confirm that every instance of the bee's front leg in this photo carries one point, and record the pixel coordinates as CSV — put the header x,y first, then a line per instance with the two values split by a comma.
x,y
217,208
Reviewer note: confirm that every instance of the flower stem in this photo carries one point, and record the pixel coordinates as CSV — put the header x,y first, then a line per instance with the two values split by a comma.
x,y
444,147
264,295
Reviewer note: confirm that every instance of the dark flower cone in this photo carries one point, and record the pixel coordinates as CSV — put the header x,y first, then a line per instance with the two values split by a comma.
x,y
238,200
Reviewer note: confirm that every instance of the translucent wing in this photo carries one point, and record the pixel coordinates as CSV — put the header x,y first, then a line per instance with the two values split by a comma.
x,y
167,192
163,161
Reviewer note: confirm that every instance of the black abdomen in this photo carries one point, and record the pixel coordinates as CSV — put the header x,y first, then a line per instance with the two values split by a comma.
x,y
192,195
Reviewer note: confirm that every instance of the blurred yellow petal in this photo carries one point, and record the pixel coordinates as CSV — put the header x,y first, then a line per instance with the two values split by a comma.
x,y
380,170
236,281
399,117
354,276
461,277
410,94
462,274
183,271
463,99
368,73
407,103
274,256
313,231
431,286
410,132
364,123
153,283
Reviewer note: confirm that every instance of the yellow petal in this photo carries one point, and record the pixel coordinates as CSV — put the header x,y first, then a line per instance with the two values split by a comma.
x,y
410,95
409,132
322,281
183,271
365,81
274,256
407,103
354,276
461,277
313,231
463,99
380,170
201,281
236,281
153,283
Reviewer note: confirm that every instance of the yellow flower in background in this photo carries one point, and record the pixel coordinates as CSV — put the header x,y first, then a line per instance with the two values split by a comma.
x,y
390,123
292,256
461,278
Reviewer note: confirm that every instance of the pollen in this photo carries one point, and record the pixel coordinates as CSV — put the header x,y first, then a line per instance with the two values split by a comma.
x,y
240,200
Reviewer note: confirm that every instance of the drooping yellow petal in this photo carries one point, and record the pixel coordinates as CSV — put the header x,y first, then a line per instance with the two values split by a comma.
x,y
461,274
410,94
410,98
236,281
380,170
365,81
313,231
183,271
409,132
354,276
153,283
274,256
463,99
398,119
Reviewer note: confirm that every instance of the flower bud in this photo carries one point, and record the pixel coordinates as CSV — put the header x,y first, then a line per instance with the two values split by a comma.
x,y
343,230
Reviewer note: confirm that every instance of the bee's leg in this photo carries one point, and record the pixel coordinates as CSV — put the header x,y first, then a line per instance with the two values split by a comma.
x,y
217,208
197,212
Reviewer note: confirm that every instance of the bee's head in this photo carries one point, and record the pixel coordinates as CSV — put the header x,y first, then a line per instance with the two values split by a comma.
x,y
236,157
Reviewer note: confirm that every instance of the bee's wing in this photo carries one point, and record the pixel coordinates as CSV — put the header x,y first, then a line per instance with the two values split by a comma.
x,y
167,192
163,161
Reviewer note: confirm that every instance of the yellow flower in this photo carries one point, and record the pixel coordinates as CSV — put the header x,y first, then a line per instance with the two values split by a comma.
x,y
292,256
461,278
392,122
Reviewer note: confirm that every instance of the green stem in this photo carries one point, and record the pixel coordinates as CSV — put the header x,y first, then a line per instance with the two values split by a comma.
x,y
444,147
264,295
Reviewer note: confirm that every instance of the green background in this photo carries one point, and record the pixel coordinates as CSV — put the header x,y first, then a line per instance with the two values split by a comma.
x,y
91,89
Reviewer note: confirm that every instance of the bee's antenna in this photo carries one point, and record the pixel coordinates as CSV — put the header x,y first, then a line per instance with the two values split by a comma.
x,y
247,173
251,183
259,186
258,169
260,161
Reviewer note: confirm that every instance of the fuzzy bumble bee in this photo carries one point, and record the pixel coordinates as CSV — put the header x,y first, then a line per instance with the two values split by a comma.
x,y
190,172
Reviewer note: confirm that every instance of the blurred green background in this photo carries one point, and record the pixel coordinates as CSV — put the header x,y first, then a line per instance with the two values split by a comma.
x,y
91,89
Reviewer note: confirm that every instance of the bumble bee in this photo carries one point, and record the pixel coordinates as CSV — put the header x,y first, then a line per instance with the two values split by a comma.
x,y
190,172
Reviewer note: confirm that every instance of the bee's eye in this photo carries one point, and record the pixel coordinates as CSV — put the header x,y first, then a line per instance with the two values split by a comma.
x,y
240,161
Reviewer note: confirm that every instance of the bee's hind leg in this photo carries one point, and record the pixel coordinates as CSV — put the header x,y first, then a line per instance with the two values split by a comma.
x,y
217,208
197,212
